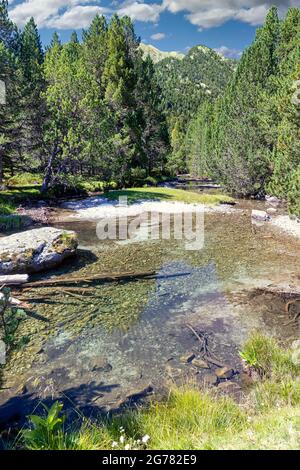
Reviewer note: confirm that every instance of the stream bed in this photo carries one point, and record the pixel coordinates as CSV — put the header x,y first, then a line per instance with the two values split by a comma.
x,y
127,340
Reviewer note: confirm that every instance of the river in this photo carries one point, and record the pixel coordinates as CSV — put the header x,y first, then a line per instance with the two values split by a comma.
x,y
99,352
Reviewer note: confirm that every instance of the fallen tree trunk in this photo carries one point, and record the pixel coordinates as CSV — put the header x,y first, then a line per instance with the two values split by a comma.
x,y
14,280
94,277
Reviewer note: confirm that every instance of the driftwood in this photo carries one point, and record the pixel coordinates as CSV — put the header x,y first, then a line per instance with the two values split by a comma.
x,y
204,350
287,311
15,302
95,277
14,280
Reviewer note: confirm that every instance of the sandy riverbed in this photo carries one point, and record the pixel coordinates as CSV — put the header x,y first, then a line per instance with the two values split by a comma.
x,y
285,223
98,208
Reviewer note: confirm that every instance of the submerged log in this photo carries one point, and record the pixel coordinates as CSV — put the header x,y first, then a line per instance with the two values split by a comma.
x,y
13,280
92,278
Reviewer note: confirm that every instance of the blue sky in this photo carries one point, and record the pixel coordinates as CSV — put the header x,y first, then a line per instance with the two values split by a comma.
x,y
226,25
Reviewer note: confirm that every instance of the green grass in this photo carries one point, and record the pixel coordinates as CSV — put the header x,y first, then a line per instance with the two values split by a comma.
x,y
268,358
267,418
165,194
9,223
10,200
24,179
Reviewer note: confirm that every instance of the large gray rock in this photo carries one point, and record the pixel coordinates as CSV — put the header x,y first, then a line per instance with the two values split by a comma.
x,y
36,250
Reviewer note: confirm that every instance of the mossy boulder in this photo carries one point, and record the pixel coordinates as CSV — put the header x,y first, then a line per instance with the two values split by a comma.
x,y
36,250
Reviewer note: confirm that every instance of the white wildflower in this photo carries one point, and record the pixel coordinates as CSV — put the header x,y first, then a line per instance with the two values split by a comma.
x,y
114,444
127,447
145,439
122,439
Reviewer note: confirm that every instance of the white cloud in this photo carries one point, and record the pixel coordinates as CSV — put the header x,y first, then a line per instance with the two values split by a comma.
x,y
69,14
76,18
212,13
210,18
137,10
158,36
229,53
254,16
42,10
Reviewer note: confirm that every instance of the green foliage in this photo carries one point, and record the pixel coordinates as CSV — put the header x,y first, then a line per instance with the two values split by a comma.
x,y
10,318
263,354
294,193
10,223
24,179
189,83
47,433
249,139
83,108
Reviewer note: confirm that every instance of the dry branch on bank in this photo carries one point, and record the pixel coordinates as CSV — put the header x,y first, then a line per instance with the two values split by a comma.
x,y
14,280
204,350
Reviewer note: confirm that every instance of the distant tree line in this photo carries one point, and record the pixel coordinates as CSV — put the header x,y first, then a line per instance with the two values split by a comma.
x,y
97,107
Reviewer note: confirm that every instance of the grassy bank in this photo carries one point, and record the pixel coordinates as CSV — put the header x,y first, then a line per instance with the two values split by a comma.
x,y
10,200
268,417
25,189
166,194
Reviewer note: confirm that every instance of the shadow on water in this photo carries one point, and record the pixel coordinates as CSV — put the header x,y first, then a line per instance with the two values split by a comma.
x,y
76,400
84,259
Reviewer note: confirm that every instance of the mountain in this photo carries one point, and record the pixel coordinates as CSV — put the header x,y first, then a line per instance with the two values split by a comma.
x,y
200,75
157,55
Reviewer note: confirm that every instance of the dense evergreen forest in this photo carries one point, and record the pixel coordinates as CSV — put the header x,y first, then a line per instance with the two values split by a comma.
x,y
89,108
249,138
100,107
188,83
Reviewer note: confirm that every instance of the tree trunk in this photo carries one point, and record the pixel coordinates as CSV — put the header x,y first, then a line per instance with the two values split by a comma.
x,y
1,168
48,173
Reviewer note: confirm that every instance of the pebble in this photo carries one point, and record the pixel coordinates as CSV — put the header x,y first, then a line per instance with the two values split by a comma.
x,y
225,373
200,364
211,379
187,358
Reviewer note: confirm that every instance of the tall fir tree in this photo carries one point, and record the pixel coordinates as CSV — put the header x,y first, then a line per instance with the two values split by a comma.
x,y
11,78
33,88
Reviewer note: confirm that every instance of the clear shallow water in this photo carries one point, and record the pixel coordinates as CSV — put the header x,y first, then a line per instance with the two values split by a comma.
x,y
136,332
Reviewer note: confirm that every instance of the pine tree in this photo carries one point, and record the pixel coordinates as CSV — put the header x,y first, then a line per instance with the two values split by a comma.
x,y
240,145
95,49
9,34
119,79
10,76
150,118
33,86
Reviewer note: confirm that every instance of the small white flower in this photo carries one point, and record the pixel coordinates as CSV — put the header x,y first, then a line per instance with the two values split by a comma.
x,y
145,439
114,444
122,439
127,447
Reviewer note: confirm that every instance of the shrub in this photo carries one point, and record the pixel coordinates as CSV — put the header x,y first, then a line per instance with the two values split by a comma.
x,y
265,355
25,179
294,194
47,432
